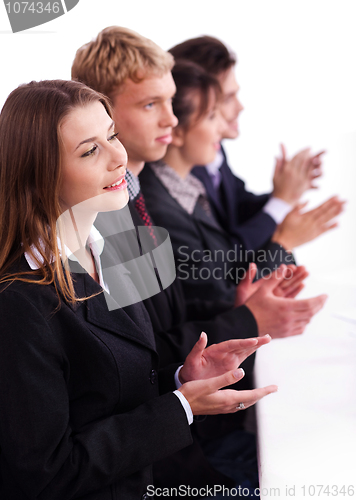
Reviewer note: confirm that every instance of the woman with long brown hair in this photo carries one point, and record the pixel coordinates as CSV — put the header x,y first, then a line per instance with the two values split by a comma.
x,y
81,415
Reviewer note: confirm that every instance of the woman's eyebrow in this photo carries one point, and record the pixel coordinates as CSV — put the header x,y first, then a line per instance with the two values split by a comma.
x,y
91,139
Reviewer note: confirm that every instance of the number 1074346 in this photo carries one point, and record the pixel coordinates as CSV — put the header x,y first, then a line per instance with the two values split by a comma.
x,y
34,7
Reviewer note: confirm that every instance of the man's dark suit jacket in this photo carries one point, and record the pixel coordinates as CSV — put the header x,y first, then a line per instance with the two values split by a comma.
x,y
206,259
176,333
238,211
80,413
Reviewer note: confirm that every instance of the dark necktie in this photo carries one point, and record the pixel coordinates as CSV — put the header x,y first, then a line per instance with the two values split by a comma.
x,y
140,206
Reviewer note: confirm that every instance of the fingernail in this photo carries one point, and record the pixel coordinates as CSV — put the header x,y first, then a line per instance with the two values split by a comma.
x,y
239,373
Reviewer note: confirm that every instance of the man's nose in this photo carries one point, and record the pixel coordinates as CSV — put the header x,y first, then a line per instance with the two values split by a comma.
x,y
239,106
168,118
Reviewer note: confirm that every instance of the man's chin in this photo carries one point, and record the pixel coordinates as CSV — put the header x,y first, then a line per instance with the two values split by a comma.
x,y
232,133
156,155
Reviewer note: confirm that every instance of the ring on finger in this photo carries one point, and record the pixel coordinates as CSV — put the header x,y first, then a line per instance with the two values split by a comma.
x,y
240,406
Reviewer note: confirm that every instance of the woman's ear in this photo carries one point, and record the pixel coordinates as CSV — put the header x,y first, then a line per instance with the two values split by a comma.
x,y
178,135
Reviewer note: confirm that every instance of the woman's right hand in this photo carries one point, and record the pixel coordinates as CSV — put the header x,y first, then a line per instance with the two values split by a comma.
x,y
206,397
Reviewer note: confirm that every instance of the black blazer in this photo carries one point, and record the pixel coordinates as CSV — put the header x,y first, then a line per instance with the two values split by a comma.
x,y
175,335
208,264
80,413
238,211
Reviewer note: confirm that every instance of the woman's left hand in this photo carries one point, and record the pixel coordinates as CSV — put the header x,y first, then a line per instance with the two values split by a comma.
x,y
205,362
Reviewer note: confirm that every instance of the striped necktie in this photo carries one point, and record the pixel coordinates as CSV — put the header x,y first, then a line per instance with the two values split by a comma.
x,y
140,206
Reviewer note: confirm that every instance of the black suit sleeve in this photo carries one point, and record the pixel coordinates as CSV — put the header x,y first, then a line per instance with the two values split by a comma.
x,y
50,458
249,204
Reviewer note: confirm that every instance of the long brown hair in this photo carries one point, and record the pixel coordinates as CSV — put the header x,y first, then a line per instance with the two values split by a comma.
x,y
30,177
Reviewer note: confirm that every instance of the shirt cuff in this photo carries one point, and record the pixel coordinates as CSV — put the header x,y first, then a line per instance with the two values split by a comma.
x,y
186,406
277,209
176,378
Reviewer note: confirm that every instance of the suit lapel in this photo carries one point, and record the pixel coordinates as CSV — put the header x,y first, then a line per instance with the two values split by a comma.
x,y
227,191
201,216
213,195
131,322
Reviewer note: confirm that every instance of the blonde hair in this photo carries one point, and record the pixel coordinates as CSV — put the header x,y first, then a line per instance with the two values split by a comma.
x,y
117,54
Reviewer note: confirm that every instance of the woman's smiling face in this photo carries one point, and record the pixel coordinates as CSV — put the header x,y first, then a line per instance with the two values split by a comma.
x,y
93,160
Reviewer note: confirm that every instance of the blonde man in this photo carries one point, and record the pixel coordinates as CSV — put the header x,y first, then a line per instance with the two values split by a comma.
x,y
136,75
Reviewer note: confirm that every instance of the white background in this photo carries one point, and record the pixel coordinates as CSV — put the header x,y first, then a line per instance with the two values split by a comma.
x,y
296,68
